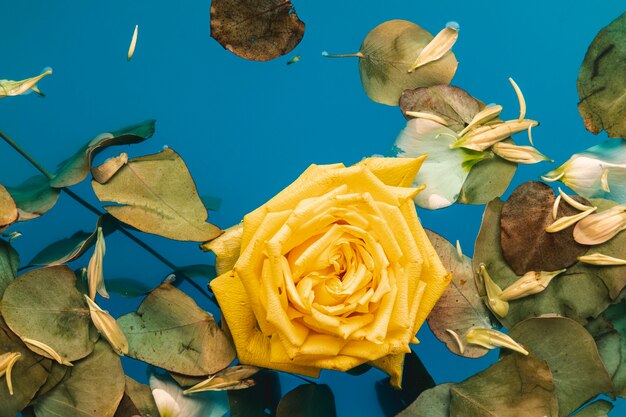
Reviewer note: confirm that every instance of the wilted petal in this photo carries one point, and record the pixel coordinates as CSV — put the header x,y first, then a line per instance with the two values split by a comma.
x,y
602,260
107,326
7,360
95,274
436,48
15,88
494,292
36,344
566,221
483,137
493,339
600,227
518,154
530,283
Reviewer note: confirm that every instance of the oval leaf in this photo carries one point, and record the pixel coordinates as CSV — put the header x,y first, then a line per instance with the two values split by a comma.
x,y
8,209
44,305
575,293
514,386
434,402
460,307
601,82
310,400
487,180
169,321
34,197
572,356
526,245
252,402
28,375
127,287
599,408
158,195
387,54
94,387
271,29
137,400
76,168
9,262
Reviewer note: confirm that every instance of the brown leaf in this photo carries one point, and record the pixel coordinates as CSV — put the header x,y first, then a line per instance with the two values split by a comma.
x,y
137,401
258,30
8,210
526,245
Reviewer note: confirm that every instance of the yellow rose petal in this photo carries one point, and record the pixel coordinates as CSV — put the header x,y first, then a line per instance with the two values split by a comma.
x,y
397,172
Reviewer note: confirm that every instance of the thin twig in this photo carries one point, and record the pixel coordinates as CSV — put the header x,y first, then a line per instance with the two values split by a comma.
x,y
94,210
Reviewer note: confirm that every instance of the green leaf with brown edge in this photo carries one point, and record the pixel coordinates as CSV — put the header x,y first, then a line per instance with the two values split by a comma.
x,y
415,380
609,331
29,374
34,197
73,247
44,305
8,209
77,167
451,103
598,408
601,81
252,402
514,386
574,293
487,180
387,54
526,245
127,287
9,262
137,400
309,400
434,402
460,307
614,277
157,195
169,321
258,30
93,388
572,355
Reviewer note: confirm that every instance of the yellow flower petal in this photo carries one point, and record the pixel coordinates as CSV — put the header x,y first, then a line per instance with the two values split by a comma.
x,y
397,172
226,247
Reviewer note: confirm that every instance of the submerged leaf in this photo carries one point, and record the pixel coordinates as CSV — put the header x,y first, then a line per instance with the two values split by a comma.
x,y
388,53
157,195
8,209
444,171
601,81
526,245
169,321
252,402
309,400
94,388
34,197
77,167
434,402
598,408
9,262
127,287
256,30
576,293
28,374
514,386
73,247
460,307
571,353
44,305
137,400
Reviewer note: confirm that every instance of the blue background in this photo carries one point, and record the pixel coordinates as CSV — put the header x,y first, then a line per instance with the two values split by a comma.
x,y
247,129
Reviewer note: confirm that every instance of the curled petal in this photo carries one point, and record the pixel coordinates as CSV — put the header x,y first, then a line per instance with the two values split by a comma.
x,y
493,339
601,260
7,361
601,227
530,283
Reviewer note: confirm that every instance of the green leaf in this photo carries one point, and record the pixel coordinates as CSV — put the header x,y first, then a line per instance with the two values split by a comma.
x,y
444,171
8,209
487,180
34,197
452,104
9,262
514,386
76,168
434,402
415,380
609,331
526,245
73,247
29,374
253,402
574,293
158,195
310,400
44,305
127,287
93,388
572,355
460,307
272,27
599,408
197,271
601,82
137,400
211,203
169,321
56,374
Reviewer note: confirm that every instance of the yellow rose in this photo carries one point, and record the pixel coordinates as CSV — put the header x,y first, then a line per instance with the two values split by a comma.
x,y
333,272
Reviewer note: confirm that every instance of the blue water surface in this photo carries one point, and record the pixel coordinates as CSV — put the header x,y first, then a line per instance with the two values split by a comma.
x,y
247,129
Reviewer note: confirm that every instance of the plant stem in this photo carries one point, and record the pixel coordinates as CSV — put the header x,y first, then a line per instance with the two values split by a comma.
x,y
94,210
